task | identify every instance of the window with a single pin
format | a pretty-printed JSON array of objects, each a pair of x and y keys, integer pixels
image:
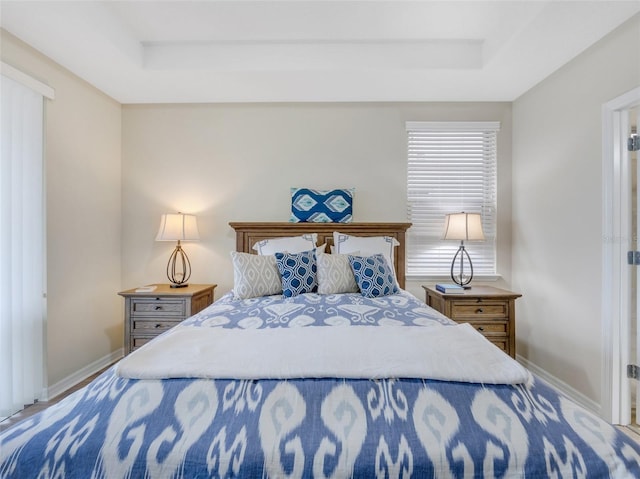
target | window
[{"x": 451, "y": 168}]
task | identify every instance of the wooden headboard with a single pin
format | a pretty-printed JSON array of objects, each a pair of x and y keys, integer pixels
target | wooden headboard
[{"x": 247, "y": 234}]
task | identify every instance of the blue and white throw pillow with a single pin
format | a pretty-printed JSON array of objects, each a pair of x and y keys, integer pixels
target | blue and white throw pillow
[
  {"x": 299, "y": 272},
  {"x": 374, "y": 275},
  {"x": 321, "y": 206}
]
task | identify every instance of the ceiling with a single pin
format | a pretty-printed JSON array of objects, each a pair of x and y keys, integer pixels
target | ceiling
[{"x": 272, "y": 51}]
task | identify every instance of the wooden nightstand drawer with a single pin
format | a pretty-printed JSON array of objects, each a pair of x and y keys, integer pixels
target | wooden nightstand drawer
[
  {"x": 489, "y": 327},
  {"x": 150, "y": 313},
  {"x": 137, "y": 341},
  {"x": 154, "y": 325},
  {"x": 501, "y": 343},
  {"x": 157, "y": 306},
  {"x": 479, "y": 309}
]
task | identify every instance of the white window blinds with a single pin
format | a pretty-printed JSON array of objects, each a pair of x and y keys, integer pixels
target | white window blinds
[
  {"x": 451, "y": 169},
  {"x": 22, "y": 247}
]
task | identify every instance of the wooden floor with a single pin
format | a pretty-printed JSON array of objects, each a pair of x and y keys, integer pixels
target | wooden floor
[
  {"x": 42, "y": 405},
  {"x": 631, "y": 431}
]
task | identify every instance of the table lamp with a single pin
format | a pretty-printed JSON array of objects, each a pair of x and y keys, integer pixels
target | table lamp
[
  {"x": 178, "y": 227},
  {"x": 463, "y": 227}
]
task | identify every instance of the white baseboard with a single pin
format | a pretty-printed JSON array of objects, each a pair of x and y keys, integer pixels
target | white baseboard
[
  {"x": 73, "y": 379},
  {"x": 564, "y": 388}
]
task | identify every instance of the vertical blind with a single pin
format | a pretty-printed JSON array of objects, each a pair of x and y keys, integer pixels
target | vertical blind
[
  {"x": 451, "y": 169},
  {"x": 21, "y": 246}
]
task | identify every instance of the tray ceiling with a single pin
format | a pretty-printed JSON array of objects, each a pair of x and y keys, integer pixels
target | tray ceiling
[{"x": 281, "y": 51}]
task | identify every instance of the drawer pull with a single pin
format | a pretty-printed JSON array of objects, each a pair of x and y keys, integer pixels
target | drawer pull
[
  {"x": 158, "y": 308},
  {"x": 479, "y": 311},
  {"x": 480, "y": 328},
  {"x": 158, "y": 326}
]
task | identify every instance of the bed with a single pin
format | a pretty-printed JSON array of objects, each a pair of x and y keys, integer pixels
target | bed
[{"x": 317, "y": 385}]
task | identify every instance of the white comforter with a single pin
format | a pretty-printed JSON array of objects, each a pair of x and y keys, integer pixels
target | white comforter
[{"x": 448, "y": 353}]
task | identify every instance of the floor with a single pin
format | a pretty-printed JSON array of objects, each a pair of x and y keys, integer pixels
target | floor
[
  {"x": 42, "y": 405},
  {"x": 631, "y": 431}
]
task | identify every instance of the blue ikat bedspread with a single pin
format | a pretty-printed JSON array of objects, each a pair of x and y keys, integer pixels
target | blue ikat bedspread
[{"x": 315, "y": 428}]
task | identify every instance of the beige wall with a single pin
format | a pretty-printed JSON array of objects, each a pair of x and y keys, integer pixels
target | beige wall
[
  {"x": 82, "y": 161},
  {"x": 557, "y": 208},
  {"x": 236, "y": 162}
]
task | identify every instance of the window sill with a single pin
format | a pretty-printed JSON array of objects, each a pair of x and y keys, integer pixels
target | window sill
[{"x": 441, "y": 278}]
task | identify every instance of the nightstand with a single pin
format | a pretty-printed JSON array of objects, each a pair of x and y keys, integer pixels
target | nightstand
[
  {"x": 490, "y": 310},
  {"x": 147, "y": 314}
]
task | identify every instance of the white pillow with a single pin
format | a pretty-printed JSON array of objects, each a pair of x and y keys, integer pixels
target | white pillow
[
  {"x": 254, "y": 275},
  {"x": 365, "y": 245},
  {"x": 335, "y": 274},
  {"x": 291, "y": 244}
]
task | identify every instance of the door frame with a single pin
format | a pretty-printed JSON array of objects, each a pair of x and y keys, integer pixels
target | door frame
[{"x": 616, "y": 274}]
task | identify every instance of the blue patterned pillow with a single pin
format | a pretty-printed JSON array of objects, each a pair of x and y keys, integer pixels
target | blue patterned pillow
[
  {"x": 374, "y": 275},
  {"x": 321, "y": 206},
  {"x": 299, "y": 272}
]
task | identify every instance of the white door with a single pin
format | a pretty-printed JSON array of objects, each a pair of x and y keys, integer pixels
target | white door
[{"x": 621, "y": 230}]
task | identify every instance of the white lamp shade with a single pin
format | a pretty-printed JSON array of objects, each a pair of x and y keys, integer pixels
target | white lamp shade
[
  {"x": 463, "y": 226},
  {"x": 176, "y": 226}
]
